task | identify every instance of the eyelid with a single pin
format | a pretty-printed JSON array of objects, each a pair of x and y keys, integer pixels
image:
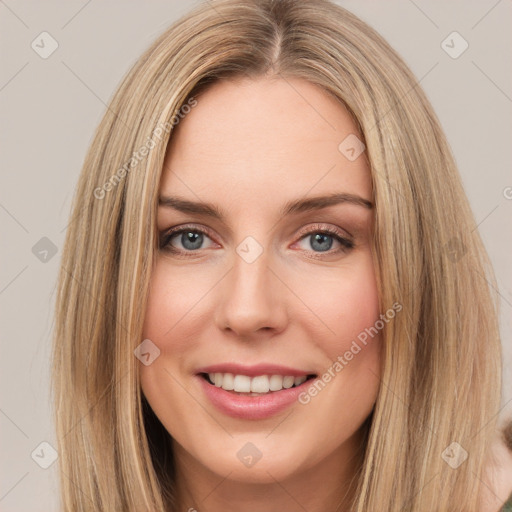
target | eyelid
[
  {"x": 166, "y": 234},
  {"x": 318, "y": 226},
  {"x": 303, "y": 231},
  {"x": 308, "y": 230}
]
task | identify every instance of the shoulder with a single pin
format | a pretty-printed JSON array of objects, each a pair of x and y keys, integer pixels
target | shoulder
[{"x": 498, "y": 487}]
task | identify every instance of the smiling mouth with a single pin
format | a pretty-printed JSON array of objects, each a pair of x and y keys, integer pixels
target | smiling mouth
[{"x": 254, "y": 386}]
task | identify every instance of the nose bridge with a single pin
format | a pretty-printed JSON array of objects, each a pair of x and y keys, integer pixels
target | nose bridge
[
  {"x": 251, "y": 296},
  {"x": 250, "y": 270}
]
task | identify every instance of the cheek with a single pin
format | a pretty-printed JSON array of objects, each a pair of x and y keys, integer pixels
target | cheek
[
  {"x": 173, "y": 299},
  {"x": 344, "y": 305},
  {"x": 347, "y": 305},
  {"x": 169, "y": 306},
  {"x": 161, "y": 320}
]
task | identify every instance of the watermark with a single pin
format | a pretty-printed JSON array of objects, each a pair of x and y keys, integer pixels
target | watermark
[
  {"x": 455, "y": 249},
  {"x": 454, "y": 455},
  {"x": 44, "y": 250},
  {"x": 249, "y": 455},
  {"x": 351, "y": 147},
  {"x": 343, "y": 360},
  {"x": 249, "y": 249},
  {"x": 140, "y": 154},
  {"x": 44, "y": 455},
  {"x": 44, "y": 45},
  {"x": 454, "y": 45},
  {"x": 146, "y": 352}
]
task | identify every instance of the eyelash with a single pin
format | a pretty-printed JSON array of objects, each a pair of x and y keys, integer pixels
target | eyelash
[{"x": 166, "y": 236}]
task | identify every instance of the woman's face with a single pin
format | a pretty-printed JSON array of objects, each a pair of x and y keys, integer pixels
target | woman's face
[{"x": 263, "y": 289}]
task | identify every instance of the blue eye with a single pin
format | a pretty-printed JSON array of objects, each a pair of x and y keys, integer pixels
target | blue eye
[
  {"x": 192, "y": 239},
  {"x": 322, "y": 241}
]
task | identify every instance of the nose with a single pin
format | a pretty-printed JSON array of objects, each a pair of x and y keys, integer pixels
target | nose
[{"x": 252, "y": 299}]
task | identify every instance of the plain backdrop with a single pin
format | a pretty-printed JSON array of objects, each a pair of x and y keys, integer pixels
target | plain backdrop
[{"x": 51, "y": 106}]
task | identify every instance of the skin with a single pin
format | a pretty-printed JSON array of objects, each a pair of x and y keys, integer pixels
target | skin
[
  {"x": 249, "y": 146},
  {"x": 497, "y": 484}
]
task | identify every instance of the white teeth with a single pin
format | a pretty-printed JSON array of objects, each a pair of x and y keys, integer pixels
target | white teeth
[
  {"x": 259, "y": 384},
  {"x": 299, "y": 380},
  {"x": 288, "y": 381},
  {"x": 242, "y": 384},
  {"x": 276, "y": 382},
  {"x": 228, "y": 382}
]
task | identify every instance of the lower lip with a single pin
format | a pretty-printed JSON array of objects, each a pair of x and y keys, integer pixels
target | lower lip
[{"x": 252, "y": 407}]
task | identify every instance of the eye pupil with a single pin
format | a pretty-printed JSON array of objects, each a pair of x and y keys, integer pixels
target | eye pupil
[
  {"x": 193, "y": 237},
  {"x": 191, "y": 240},
  {"x": 319, "y": 238}
]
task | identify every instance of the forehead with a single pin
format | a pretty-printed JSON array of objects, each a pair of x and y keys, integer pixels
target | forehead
[{"x": 257, "y": 141}]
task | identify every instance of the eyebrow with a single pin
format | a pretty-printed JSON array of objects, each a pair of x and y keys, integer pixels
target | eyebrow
[{"x": 297, "y": 206}]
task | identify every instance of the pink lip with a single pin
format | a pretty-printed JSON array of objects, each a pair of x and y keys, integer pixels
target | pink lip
[
  {"x": 252, "y": 407},
  {"x": 254, "y": 370}
]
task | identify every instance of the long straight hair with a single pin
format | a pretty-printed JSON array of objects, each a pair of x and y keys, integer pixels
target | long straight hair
[{"x": 441, "y": 359}]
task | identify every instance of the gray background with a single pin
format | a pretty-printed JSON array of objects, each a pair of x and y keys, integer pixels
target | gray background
[{"x": 50, "y": 108}]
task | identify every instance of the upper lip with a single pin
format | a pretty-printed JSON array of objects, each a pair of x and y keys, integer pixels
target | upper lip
[{"x": 254, "y": 370}]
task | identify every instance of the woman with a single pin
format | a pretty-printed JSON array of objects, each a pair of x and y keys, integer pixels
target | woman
[{"x": 328, "y": 341}]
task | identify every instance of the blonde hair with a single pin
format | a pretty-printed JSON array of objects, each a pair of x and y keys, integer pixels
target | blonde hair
[{"x": 441, "y": 361}]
